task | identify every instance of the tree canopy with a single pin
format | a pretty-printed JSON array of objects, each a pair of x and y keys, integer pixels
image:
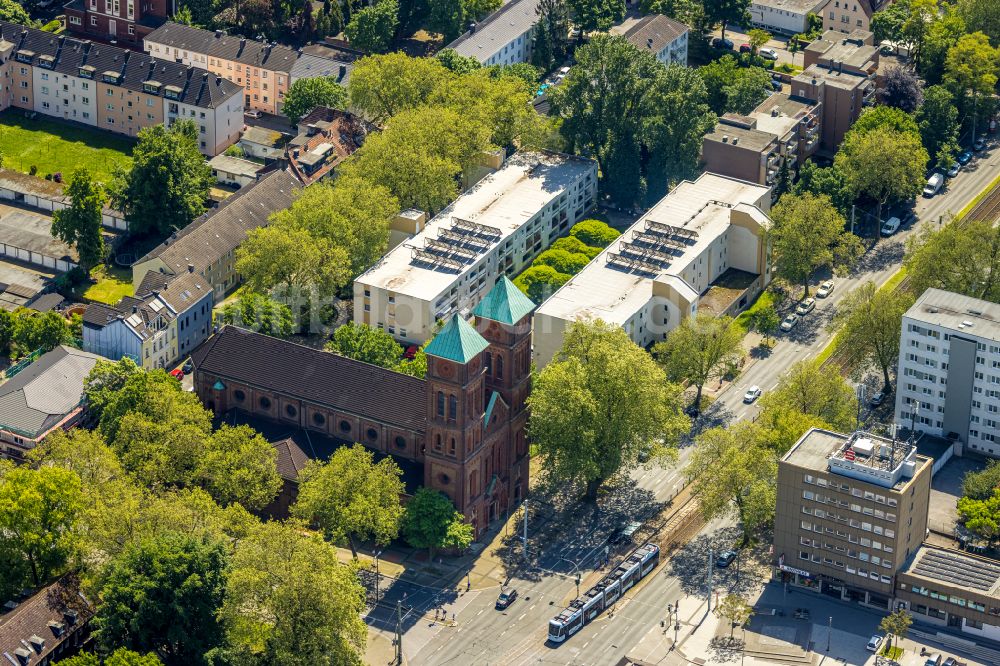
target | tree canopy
[
  {"x": 306, "y": 94},
  {"x": 540, "y": 281},
  {"x": 80, "y": 224},
  {"x": 962, "y": 257},
  {"x": 168, "y": 183},
  {"x": 700, "y": 349},
  {"x": 599, "y": 15},
  {"x": 806, "y": 388},
  {"x": 365, "y": 343},
  {"x": 352, "y": 497},
  {"x": 902, "y": 90},
  {"x": 594, "y": 233},
  {"x": 431, "y": 521},
  {"x": 808, "y": 234},
  {"x": 239, "y": 466},
  {"x": 599, "y": 404},
  {"x": 937, "y": 119},
  {"x": 260, "y": 313},
  {"x": 869, "y": 321},
  {"x": 383, "y": 85},
  {"x": 884, "y": 164},
  {"x": 372, "y": 28},
  {"x": 732, "y": 88}
]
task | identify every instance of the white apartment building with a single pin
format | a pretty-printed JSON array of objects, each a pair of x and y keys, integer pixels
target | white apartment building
[
  {"x": 664, "y": 266},
  {"x": 948, "y": 382},
  {"x": 503, "y": 37},
  {"x": 789, "y": 17},
  {"x": 495, "y": 228}
]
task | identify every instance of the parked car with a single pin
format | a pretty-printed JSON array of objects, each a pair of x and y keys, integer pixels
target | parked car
[
  {"x": 725, "y": 559},
  {"x": 951, "y": 661},
  {"x": 874, "y": 643},
  {"x": 752, "y": 394},
  {"x": 506, "y": 599},
  {"x": 825, "y": 289},
  {"x": 979, "y": 144},
  {"x": 410, "y": 352},
  {"x": 964, "y": 157},
  {"x": 877, "y": 399},
  {"x": 909, "y": 218},
  {"x": 776, "y": 85},
  {"x": 188, "y": 367},
  {"x": 252, "y": 113},
  {"x": 177, "y": 374},
  {"x": 624, "y": 532},
  {"x": 789, "y": 322},
  {"x": 933, "y": 185},
  {"x": 954, "y": 169},
  {"x": 933, "y": 660},
  {"x": 806, "y": 306},
  {"x": 891, "y": 226},
  {"x": 768, "y": 54},
  {"x": 745, "y": 48},
  {"x": 721, "y": 43}
]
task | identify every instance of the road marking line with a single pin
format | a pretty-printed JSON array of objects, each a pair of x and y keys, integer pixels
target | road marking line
[{"x": 521, "y": 616}]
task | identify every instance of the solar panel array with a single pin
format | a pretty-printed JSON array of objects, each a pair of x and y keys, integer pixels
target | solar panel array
[
  {"x": 457, "y": 246},
  {"x": 959, "y": 570},
  {"x": 652, "y": 250}
]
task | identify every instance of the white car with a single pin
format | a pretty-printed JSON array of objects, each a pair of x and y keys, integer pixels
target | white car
[
  {"x": 875, "y": 643},
  {"x": 806, "y": 306},
  {"x": 252, "y": 113},
  {"x": 954, "y": 169},
  {"x": 825, "y": 289},
  {"x": 891, "y": 226},
  {"x": 752, "y": 394},
  {"x": 790, "y": 322},
  {"x": 768, "y": 54}
]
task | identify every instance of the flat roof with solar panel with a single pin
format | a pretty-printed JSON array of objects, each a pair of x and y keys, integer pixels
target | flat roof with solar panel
[
  {"x": 463, "y": 236},
  {"x": 956, "y": 569}
]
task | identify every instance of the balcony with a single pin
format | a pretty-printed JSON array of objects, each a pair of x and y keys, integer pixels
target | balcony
[{"x": 868, "y": 94}]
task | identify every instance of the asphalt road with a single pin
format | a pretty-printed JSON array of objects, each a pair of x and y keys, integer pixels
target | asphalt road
[{"x": 483, "y": 635}]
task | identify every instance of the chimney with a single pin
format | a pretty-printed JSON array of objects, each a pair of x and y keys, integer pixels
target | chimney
[
  {"x": 190, "y": 268},
  {"x": 343, "y": 72},
  {"x": 218, "y": 34},
  {"x": 135, "y": 309},
  {"x": 736, "y": 140},
  {"x": 165, "y": 285},
  {"x": 649, "y": 43},
  {"x": 725, "y": 138},
  {"x": 472, "y": 28}
]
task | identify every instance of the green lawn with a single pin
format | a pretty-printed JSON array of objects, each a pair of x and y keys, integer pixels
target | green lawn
[
  {"x": 766, "y": 298},
  {"x": 55, "y": 146},
  {"x": 112, "y": 285}
]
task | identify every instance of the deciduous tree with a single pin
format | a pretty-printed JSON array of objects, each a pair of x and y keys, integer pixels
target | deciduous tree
[
  {"x": 884, "y": 119},
  {"x": 599, "y": 15},
  {"x": 103, "y": 382},
  {"x": 981, "y": 16},
  {"x": 600, "y": 403},
  {"x": 446, "y": 17},
  {"x": 14, "y": 12},
  {"x": 869, "y": 321},
  {"x": 758, "y": 38},
  {"x": 371, "y": 29},
  {"x": 971, "y": 69},
  {"x": 884, "y": 165},
  {"x": 981, "y": 516},
  {"x": 289, "y": 602},
  {"x": 383, "y": 85},
  {"x": 563, "y": 261},
  {"x": 764, "y": 320},
  {"x": 937, "y": 119},
  {"x": 288, "y": 255},
  {"x": 734, "y": 88},
  {"x": 808, "y": 389},
  {"x": 167, "y": 185},
  {"x": 431, "y": 521},
  {"x": 809, "y": 234},
  {"x": 723, "y": 12},
  {"x": 162, "y": 596},
  {"x": 260, "y": 313},
  {"x": 594, "y": 233},
  {"x": 352, "y": 497},
  {"x": 574, "y": 245},
  {"x": 963, "y": 257},
  {"x": 896, "y": 624},
  {"x": 828, "y": 181},
  {"x": 239, "y": 466},
  {"x": 80, "y": 224},
  {"x": 120, "y": 657},
  {"x": 734, "y": 608},
  {"x": 902, "y": 90},
  {"x": 306, "y": 94},
  {"x": 699, "y": 350},
  {"x": 980, "y": 484},
  {"x": 540, "y": 282},
  {"x": 39, "y": 509},
  {"x": 733, "y": 471},
  {"x": 364, "y": 343}
]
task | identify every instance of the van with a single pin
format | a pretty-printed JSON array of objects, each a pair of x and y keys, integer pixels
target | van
[
  {"x": 933, "y": 185},
  {"x": 933, "y": 660}
]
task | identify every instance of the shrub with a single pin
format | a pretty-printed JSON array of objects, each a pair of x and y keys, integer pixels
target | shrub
[
  {"x": 575, "y": 246},
  {"x": 538, "y": 282},
  {"x": 562, "y": 261},
  {"x": 594, "y": 233}
]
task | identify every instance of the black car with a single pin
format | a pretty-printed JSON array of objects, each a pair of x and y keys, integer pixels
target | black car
[
  {"x": 506, "y": 599},
  {"x": 725, "y": 559},
  {"x": 721, "y": 43},
  {"x": 188, "y": 367}
]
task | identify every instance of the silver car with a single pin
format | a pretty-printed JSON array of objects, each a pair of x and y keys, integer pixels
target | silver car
[{"x": 790, "y": 322}]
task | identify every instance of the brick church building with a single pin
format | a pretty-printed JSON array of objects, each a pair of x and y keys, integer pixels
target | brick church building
[{"x": 464, "y": 423}]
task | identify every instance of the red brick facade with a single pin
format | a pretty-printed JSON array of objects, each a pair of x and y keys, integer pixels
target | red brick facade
[{"x": 124, "y": 22}]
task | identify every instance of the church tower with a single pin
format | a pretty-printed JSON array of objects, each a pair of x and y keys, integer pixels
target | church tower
[{"x": 503, "y": 319}]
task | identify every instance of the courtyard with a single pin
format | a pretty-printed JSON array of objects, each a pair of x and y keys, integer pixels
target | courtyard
[{"x": 56, "y": 146}]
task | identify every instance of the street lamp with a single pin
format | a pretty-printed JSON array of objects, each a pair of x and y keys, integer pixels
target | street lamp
[
  {"x": 829, "y": 632},
  {"x": 376, "y": 575},
  {"x": 913, "y": 418}
]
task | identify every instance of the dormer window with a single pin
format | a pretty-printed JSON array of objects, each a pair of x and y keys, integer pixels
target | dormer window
[
  {"x": 87, "y": 72},
  {"x": 46, "y": 61},
  {"x": 172, "y": 92},
  {"x": 152, "y": 87},
  {"x": 25, "y": 56},
  {"x": 110, "y": 77}
]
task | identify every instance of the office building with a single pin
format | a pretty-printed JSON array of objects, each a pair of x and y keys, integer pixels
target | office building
[
  {"x": 782, "y": 132},
  {"x": 503, "y": 37},
  {"x": 663, "y": 37},
  {"x": 839, "y": 76},
  {"x": 786, "y": 17},
  {"x": 114, "y": 89},
  {"x": 949, "y": 370},
  {"x": 264, "y": 71},
  {"x": 495, "y": 228},
  {"x": 851, "y": 512},
  {"x": 701, "y": 248}
]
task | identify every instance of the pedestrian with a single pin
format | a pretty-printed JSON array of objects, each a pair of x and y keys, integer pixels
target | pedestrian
[{"x": 453, "y": 617}]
